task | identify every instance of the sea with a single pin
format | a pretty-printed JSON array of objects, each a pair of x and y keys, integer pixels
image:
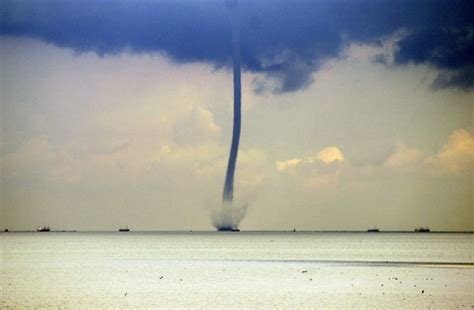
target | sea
[{"x": 146, "y": 270}]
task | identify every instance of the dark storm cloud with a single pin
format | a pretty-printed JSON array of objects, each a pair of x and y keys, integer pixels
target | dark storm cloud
[
  {"x": 286, "y": 40},
  {"x": 462, "y": 79}
]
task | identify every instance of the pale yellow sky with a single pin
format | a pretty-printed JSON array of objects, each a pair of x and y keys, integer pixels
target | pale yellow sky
[{"x": 96, "y": 143}]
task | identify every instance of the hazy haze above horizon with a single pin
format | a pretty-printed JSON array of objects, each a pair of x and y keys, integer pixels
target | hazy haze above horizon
[{"x": 106, "y": 128}]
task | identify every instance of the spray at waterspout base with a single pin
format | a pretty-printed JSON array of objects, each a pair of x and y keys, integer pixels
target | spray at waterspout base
[
  {"x": 232, "y": 229},
  {"x": 228, "y": 217}
]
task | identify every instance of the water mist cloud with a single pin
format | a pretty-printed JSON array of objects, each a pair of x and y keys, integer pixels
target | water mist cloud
[{"x": 228, "y": 216}]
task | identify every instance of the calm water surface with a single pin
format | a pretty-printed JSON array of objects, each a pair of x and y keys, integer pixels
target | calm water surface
[{"x": 254, "y": 269}]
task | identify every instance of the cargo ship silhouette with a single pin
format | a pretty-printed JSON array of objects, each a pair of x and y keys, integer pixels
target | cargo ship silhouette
[{"x": 422, "y": 229}]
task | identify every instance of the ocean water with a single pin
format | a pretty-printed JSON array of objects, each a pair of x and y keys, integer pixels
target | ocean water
[{"x": 246, "y": 269}]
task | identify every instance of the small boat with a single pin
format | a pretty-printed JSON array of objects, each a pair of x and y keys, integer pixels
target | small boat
[
  {"x": 373, "y": 230},
  {"x": 422, "y": 229},
  {"x": 42, "y": 229},
  {"x": 124, "y": 229}
]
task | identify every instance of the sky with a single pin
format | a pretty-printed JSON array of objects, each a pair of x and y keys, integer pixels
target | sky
[{"x": 356, "y": 114}]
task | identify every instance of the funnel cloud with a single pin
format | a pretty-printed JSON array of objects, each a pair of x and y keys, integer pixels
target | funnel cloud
[{"x": 228, "y": 213}]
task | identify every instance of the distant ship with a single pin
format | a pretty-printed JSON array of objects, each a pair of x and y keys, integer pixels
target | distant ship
[
  {"x": 373, "y": 229},
  {"x": 124, "y": 229},
  {"x": 43, "y": 228},
  {"x": 422, "y": 229}
]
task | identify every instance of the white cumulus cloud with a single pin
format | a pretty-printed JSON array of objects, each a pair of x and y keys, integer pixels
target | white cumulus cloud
[
  {"x": 317, "y": 171},
  {"x": 456, "y": 156},
  {"x": 326, "y": 156},
  {"x": 330, "y": 154},
  {"x": 402, "y": 156}
]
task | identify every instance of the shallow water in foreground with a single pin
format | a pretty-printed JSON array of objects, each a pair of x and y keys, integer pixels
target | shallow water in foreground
[{"x": 251, "y": 269}]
